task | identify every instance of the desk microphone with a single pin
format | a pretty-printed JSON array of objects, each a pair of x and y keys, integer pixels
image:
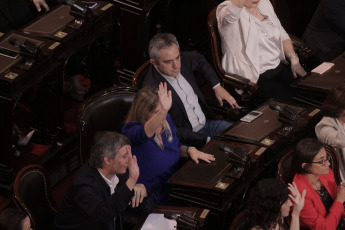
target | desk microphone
[
  {"x": 274, "y": 106},
  {"x": 75, "y": 5},
  {"x": 26, "y": 47}
]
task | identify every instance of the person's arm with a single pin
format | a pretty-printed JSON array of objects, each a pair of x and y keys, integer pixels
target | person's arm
[
  {"x": 222, "y": 94},
  {"x": 199, "y": 64},
  {"x": 196, "y": 155},
  {"x": 188, "y": 137},
  {"x": 238, "y": 3},
  {"x": 330, "y": 134},
  {"x": 228, "y": 12},
  {"x": 39, "y": 4},
  {"x": 158, "y": 118},
  {"x": 296, "y": 67},
  {"x": 133, "y": 170}
]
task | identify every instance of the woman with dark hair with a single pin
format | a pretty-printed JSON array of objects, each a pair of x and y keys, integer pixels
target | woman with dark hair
[
  {"x": 323, "y": 208},
  {"x": 14, "y": 219},
  {"x": 154, "y": 141},
  {"x": 331, "y": 130},
  {"x": 269, "y": 203}
]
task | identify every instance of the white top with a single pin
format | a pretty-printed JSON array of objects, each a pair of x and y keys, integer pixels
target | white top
[
  {"x": 268, "y": 40},
  {"x": 242, "y": 44},
  {"x": 332, "y": 132},
  {"x": 112, "y": 183},
  {"x": 189, "y": 99}
]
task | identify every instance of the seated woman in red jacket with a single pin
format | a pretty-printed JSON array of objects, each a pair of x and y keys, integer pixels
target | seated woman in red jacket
[{"x": 323, "y": 207}]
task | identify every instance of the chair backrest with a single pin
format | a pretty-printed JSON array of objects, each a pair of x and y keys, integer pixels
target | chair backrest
[
  {"x": 232, "y": 80},
  {"x": 216, "y": 47},
  {"x": 237, "y": 223},
  {"x": 334, "y": 162},
  {"x": 286, "y": 175},
  {"x": 32, "y": 193},
  {"x": 140, "y": 74},
  {"x": 104, "y": 111}
]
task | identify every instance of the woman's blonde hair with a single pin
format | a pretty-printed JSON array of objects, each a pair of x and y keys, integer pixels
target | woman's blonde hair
[{"x": 144, "y": 104}]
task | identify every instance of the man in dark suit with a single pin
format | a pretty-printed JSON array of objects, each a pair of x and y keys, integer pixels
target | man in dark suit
[
  {"x": 101, "y": 190},
  {"x": 194, "y": 121},
  {"x": 325, "y": 34}
]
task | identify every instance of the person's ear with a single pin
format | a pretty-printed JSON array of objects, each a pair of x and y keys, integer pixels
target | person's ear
[
  {"x": 303, "y": 165},
  {"x": 154, "y": 63},
  {"x": 106, "y": 160}
]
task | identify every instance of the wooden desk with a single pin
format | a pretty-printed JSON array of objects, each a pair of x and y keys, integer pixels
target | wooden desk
[
  {"x": 222, "y": 185},
  {"x": 313, "y": 88},
  {"x": 213, "y": 186},
  {"x": 44, "y": 77}
]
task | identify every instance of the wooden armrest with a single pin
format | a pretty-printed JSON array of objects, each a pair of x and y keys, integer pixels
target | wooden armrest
[
  {"x": 303, "y": 51},
  {"x": 236, "y": 81},
  {"x": 252, "y": 87},
  {"x": 240, "y": 82}
]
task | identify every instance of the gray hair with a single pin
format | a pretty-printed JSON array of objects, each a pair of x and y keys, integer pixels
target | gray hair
[
  {"x": 161, "y": 41},
  {"x": 106, "y": 144}
]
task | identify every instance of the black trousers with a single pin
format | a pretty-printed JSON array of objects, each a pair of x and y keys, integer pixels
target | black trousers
[{"x": 275, "y": 83}]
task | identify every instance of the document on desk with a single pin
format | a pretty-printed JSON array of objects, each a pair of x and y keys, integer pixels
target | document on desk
[
  {"x": 156, "y": 221},
  {"x": 323, "y": 67}
]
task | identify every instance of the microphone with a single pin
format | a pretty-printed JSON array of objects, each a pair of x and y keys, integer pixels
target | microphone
[
  {"x": 274, "y": 106},
  {"x": 75, "y": 5},
  {"x": 170, "y": 215},
  {"x": 27, "y": 47}
]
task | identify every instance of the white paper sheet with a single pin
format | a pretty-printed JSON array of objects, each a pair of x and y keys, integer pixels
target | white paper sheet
[
  {"x": 156, "y": 221},
  {"x": 323, "y": 67}
]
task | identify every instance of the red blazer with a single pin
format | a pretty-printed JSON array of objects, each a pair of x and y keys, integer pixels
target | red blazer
[{"x": 314, "y": 215}]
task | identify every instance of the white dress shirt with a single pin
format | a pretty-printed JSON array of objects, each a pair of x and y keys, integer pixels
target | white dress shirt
[
  {"x": 112, "y": 183},
  {"x": 189, "y": 99}
]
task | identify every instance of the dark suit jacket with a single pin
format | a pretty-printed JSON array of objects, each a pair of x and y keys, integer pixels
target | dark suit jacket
[
  {"x": 325, "y": 34},
  {"x": 88, "y": 203},
  {"x": 190, "y": 62},
  {"x": 14, "y": 14}
]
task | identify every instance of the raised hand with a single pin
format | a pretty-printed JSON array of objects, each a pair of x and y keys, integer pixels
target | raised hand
[
  {"x": 133, "y": 169},
  {"x": 341, "y": 193},
  {"x": 297, "y": 198},
  {"x": 164, "y": 95}
]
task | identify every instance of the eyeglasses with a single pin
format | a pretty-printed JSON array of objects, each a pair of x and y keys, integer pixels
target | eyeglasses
[{"x": 322, "y": 162}]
